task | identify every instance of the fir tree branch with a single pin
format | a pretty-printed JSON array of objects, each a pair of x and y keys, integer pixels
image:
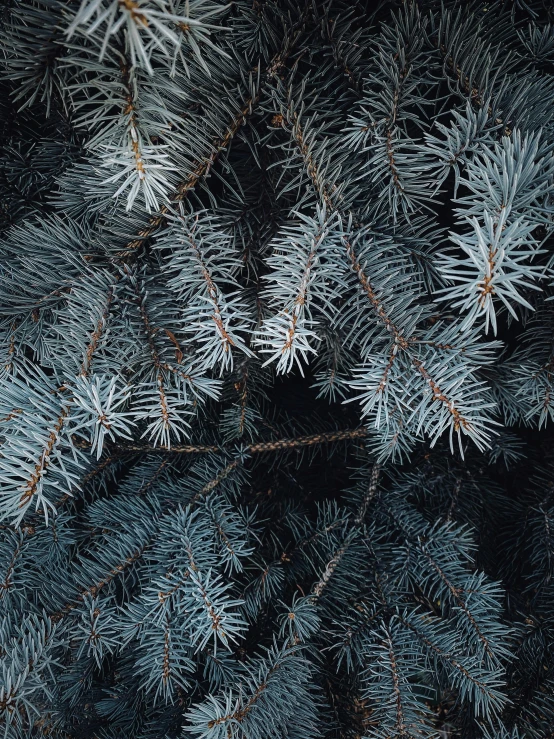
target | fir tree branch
[
  {"x": 400, "y": 724},
  {"x": 202, "y": 169},
  {"x": 453, "y": 661},
  {"x": 7, "y": 581},
  {"x": 97, "y": 334},
  {"x": 215, "y": 482},
  {"x": 42, "y": 464},
  {"x": 220, "y": 145},
  {"x": 93, "y": 590},
  {"x": 401, "y": 343},
  {"x": 262, "y": 447},
  {"x": 457, "y": 596},
  {"x": 334, "y": 562},
  {"x": 353, "y": 80}
]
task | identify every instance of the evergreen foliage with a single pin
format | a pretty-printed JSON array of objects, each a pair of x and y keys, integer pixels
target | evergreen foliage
[{"x": 277, "y": 366}]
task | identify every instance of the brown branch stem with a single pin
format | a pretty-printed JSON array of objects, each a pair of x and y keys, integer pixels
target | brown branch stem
[{"x": 259, "y": 448}]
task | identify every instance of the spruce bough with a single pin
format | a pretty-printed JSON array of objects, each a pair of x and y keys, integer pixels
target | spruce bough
[{"x": 276, "y": 331}]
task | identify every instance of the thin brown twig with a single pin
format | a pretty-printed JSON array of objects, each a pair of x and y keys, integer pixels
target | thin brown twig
[{"x": 259, "y": 448}]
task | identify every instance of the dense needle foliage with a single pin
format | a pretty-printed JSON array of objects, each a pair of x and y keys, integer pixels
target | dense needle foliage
[{"x": 277, "y": 356}]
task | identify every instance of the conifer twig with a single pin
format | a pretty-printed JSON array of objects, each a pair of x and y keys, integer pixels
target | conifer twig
[
  {"x": 326, "y": 437},
  {"x": 358, "y": 521},
  {"x": 204, "y": 166}
]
